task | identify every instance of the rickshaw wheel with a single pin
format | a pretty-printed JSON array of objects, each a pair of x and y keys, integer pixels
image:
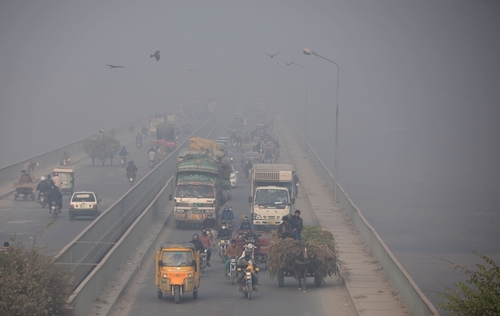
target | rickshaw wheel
[
  {"x": 195, "y": 294},
  {"x": 177, "y": 294},
  {"x": 159, "y": 294}
]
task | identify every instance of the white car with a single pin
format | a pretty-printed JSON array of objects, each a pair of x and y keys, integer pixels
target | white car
[
  {"x": 84, "y": 204},
  {"x": 234, "y": 177}
]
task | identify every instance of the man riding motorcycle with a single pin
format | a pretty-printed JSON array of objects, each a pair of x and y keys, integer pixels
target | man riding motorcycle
[
  {"x": 152, "y": 156},
  {"x": 227, "y": 215},
  {"x": 131, "y": 170},
  {"x": 209, "y": 223},
  {"x": 246, "y": 262},
  {"x": 245, "y": 224},
  {"x": 207, "y": 243},
  {"x": 42, "y": 187},
  {"x": 123, "y": 152},
  {"x": 138, "y": 139},
  {"x": 198, "y": 246},
  {"x": 55, "y": 196},
  {"x": 231, "y": 251}
]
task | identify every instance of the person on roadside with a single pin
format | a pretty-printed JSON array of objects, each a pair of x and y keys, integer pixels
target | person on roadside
[{"x": 297, "y": 225}]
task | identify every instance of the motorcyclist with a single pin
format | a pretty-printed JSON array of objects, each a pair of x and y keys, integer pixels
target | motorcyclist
[
  {"x": 209, "y": 223},
  {"x": 231, "y": 251},
  {"x": 50, "y": 181},
  {"x": 138, "y": 138},
  {"x": 42, "y": 187},
  {"x": 55, "y": 196},
  {"x": 227, "y": 215},
  {"x": 248, "y": 167},
  {"x": 198, "y": 246},
  {"x": 246, "y": 262},
  {"x": 245, "y": 224},
  {"x": 207, "y": 242},
  {"x": 123, "y": 152},
  {"x": 152, "y": 156},
  {"x": 144, "y": 131},
  {"x": 131, "y": 170},
  {"x": 224, "y": 232},
  {"x": 153, "y": 148},
  {"x": 285, "y": 229}
]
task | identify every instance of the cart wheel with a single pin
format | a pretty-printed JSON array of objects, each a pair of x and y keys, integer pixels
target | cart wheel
[
  {"x": 281, "y": 278},
  {"x": 195, "y": 294},
  {"x": 159, "y": 294},
  {"x": 15, "y": 196}
]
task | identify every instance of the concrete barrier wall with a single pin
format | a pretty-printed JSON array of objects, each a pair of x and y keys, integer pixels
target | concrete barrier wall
[{"x": 411, "y": 294}]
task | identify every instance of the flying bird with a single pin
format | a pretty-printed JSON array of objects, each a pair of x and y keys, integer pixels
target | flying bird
[
  {"x": 271, "y": 55},
  {"x": 193, "y": 70},
  {"x": 113, "y": 66},
  {"x": 156, "y": 55}
]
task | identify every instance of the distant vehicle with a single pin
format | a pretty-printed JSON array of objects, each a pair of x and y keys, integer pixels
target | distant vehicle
[
  {"x": 234, "y": 127},
  {"x": 84, "y": 204},
  {"x": 222, "y": 138},
  {"x": 223, "y": 142},
  {"x": 234, "y": 177}
]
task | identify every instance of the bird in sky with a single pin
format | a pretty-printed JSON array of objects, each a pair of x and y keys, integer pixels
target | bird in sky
[
  {"x": 192, "y": 69},
  {"x": 113, "y": 66},
  {"x": 156, "y": 55},
  {"x": 271, "y": 55}
]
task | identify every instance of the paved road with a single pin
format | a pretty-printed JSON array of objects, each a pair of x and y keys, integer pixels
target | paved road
[
  {"x": 24, "y": 219},
  {"x": 218, "y": 297}
]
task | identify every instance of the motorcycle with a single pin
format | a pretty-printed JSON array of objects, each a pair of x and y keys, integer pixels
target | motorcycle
[
  {"x": 131, "y": 178},
  {"x": 138, "y": 144},
  {"x": 42, "y": 199},
  {"x": 203, "y": 261},
  {"x": 250, "y": 246},
  {"x": 54, "y": 209},
  {"x": 247, "y": 283},
  {"x": 222, "y": 248},
  {"x": 124, "y": 160},
  {"x": 152, "y": 164},
  {"x": 232, "y": 269}
]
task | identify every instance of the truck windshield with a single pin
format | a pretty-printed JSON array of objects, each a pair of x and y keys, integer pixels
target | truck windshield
[
  {"x": 192, "y": 191},
  {"x": 271, "y": 196}
]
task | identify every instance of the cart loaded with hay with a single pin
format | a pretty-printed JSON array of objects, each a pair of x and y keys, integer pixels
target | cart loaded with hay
[{"x": 314, "y": 256}]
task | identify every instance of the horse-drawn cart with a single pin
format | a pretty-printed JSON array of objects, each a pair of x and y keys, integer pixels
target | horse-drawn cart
[
  {"x": 24, "y": 189},
  {"x": 302, "y": 259}
]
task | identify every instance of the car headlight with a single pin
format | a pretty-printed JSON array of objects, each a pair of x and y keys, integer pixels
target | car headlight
[{"x": 257, "y": 216}]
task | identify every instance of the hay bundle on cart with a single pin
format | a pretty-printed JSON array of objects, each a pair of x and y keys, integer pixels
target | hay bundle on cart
[{"x": 322, "y": 254}]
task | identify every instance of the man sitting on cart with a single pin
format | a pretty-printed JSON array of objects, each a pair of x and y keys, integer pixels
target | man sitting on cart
[{"x": 25, "y": 177}]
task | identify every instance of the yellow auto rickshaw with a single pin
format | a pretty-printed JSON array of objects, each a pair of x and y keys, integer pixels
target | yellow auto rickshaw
[{"x": 177, "y": 270}]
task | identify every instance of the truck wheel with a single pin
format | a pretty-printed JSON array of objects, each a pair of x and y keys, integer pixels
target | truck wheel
[
  {"x": 159, "y": 294},
  {"x": 281, "y": 278},
  {"x": 177, "y": 294}
]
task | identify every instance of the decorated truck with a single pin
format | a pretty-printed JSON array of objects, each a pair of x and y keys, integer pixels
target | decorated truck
[
  {"x": 272, "y": 195},
  {"x": 199, "y": 188},
  {"x": 165, "y": 137},
  {"x": 153, "y": 121}
]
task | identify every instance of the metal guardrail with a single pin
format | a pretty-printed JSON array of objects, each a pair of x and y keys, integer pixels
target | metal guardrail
[
  {"x": 83, "y": 254},
  {"x": 409, "y": 291}
]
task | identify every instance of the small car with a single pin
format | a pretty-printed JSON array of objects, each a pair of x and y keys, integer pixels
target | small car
[
  {"x": 234, "y": 177},
  {"x": 84, "y": 204}
]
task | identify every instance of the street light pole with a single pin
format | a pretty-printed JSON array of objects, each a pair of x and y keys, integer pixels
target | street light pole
[
  {"x": 335, "y": 168},
  {"x": 305, "y": 110}
]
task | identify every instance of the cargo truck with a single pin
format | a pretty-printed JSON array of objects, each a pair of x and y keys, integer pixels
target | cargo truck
[{"x": 272, "y": 194}]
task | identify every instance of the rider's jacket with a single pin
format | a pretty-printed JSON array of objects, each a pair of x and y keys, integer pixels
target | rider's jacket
[
  {"x": 296, "y": 222},
  {"x": 138, "y": 138},
  {"x": 123, "y": 152},
  {"x": 198, "y": 246},
  {"x": 232, "y": 251},
  {"x": 227, "y": 215},
  {"x": 209, "y": 223},
  {"x": 245, "y": 226},
  {"x": 43, "y": 186},
  {"x": 131, "y": 168},
  {"x": 223, "y": 233},
  {"x": 206, "y": 241},
  {"x": 55, "y": 196}
]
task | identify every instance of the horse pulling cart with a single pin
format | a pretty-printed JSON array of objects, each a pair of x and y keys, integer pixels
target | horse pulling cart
[
  {"x": 25, "y": 190},
  {"x": 315, "y": 256}
]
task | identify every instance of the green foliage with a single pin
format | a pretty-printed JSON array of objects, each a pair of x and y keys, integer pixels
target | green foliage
[
  {"x": 478, "y": 295},
  {"x": 31, "y": 284}
]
